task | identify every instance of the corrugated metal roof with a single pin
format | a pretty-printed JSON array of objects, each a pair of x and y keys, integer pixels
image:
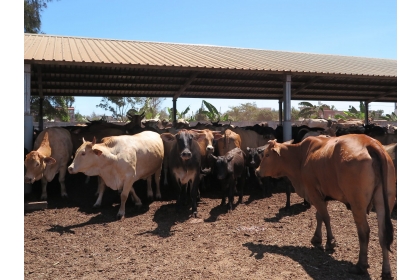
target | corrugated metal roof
[{"x": 39, "y": 47}]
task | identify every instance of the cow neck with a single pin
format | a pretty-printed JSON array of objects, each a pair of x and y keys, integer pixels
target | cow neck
[
  {"x": 45, "y": 148},
  {"x": 291, "y": 156}
]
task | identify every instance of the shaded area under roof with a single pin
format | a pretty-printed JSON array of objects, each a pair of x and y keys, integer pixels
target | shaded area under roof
[{"x": 75, "y": 66}]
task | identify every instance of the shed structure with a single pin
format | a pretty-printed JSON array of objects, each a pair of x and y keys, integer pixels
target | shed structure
[{"x": 76, "y": 66}]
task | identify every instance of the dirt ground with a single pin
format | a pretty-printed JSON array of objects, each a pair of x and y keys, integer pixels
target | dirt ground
[{"x": 257, "y": 240}]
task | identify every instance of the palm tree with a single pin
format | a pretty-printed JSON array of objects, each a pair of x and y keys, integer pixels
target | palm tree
[{"x": 311, "y": 111}]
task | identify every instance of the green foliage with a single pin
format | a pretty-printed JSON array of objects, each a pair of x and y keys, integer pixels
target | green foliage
[
  {"x": 311, "y": 111},
  {"x": 121, "y": 106},
  {"x": 179, "y": 115},
  {"x": 79, "y": 118},
  {"x": 250, "y": 112},
  {"x": 53, "y": 107},
  {"x": 390, "y": 117},
  {"x": 32, "y": 15}
]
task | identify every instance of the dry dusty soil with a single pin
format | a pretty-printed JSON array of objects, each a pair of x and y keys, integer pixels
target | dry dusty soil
[{"x": 259, "y": 239}]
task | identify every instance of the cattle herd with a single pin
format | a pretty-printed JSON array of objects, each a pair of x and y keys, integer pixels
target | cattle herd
[{"x": 353, "y": 164}]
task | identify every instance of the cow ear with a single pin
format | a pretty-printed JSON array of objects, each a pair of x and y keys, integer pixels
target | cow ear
[
  {"x": 217, "y": 136},
  {"x": 49, "y": 160},
  {"x": 276, "y": 149},
  {"x": 199, "y": 136},
  {"x": 289, "y": 142},
  {"x": 168, "y": 137},
  {"x": 229, "y": 158},
  {"x": 97, "y": 152},
  {"x": 248, "y": 149}
]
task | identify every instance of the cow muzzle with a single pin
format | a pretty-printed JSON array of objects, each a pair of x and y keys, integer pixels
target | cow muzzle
[
  {"x": 71, "y": 169},
  {"x": 186, "y": 155},
  {"x": 210, "y": 149},
  {"x": 29, "y": 180}
]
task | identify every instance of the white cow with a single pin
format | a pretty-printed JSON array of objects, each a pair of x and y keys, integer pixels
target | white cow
[
  {"x": 120, "y": 161},
  {"x": 51, "y": 154}
]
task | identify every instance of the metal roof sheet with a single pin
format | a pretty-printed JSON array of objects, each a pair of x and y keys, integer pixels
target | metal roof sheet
[{"x": 41, "y": 47}]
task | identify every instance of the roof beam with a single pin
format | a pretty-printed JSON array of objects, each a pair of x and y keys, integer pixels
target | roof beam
[
  {"x": 380, "y": 96},
  {"x": 310, "y": 82},
  {"x": 186, "y": 84}
]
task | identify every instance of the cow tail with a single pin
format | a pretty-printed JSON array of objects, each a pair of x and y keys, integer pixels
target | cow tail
[{"x": 378, "y": 152}]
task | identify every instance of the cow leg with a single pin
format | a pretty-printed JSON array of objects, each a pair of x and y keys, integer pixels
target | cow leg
[
  {"x": 44, "y": 183},
  {"x": 241, "y": 188},
  {"x": 363, "y": 232},
  {"x": 165, "y": 173},
  {"x": 194, "y": 193},
  {"x": 231, "y": 190},
  {"x": 100, "y": 192},
  {"x": 149, "y": 188},
  {"x": 225, "y": 191},
  {"x": 157, "y": 182},
  {"x": 136, "y": 199},
  {"x": 61, "y": 179},
  {"x": 288, "y": 191},
  {"x": 128, "y": 185},
  {"x": 323, "y": 216}
]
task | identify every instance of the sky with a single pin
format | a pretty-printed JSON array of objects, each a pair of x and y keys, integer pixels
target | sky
[
  {"x": 344, "y": 27},
  {"x": 351, "y": 28}
]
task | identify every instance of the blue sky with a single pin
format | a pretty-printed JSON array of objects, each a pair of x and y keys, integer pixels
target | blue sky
[{"x": 353, "y": 28}]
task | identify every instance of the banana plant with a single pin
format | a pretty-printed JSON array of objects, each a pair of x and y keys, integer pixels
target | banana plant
[
  {"x": 390, "y": 117},
  {"x": 212, "y": 113},
  {"x": 179, "y": 115}
]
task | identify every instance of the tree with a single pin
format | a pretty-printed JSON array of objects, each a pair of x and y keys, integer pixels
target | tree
[
  {"x": 32, "y": 15},
  {"x": 53, "y": 107},
  {"x": 311, "y": 111},
  {"x": 390, "y": 117},
  {"x": 79, "y": 118}
]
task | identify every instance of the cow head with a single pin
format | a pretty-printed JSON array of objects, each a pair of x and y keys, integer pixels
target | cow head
[
  {"x": 35, "y": 164},
  {"x": 183, "y": 140},
  {"x": 86, "y": 159},
  {"x": 271, "y": 163},
  {"x": 255, "y": 155},
  {"x": 206, "y": 143},
  {"x": 222, "y": 166}
]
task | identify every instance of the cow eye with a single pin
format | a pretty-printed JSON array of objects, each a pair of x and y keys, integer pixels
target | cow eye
[
  {"x": 37, "y": 164},
  {"x": 83, "y": 153}
]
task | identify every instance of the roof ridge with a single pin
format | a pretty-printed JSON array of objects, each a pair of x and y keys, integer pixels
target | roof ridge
[{"x": 203, "y": 45}]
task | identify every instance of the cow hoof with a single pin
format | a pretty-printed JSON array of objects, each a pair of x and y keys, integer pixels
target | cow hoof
[
  {"x": 317, "y": 243},
  {"x": 139, "y": 204},
  {"x": 64, "y": 195},
  {"x": 158, "y": 197},
  {"x": 386, "y": 276},
  {"x": 120, "y": 216},
  {"x": 44, "y": 197},
  {"x": 96, "y": 205},
  {"x": 330, "y": 245},
  {"x": 359, "y": 269},
  {"x": 194, "y": 214}
]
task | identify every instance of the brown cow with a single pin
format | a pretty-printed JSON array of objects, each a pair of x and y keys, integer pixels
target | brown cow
[
  {"x": 51, "y": 154},
  {"x": 120, "y": 161},
  {"x": 252, "y": 139},
  {"x": 229, "y": 141},
  {"x": 353, "y": 169}
]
